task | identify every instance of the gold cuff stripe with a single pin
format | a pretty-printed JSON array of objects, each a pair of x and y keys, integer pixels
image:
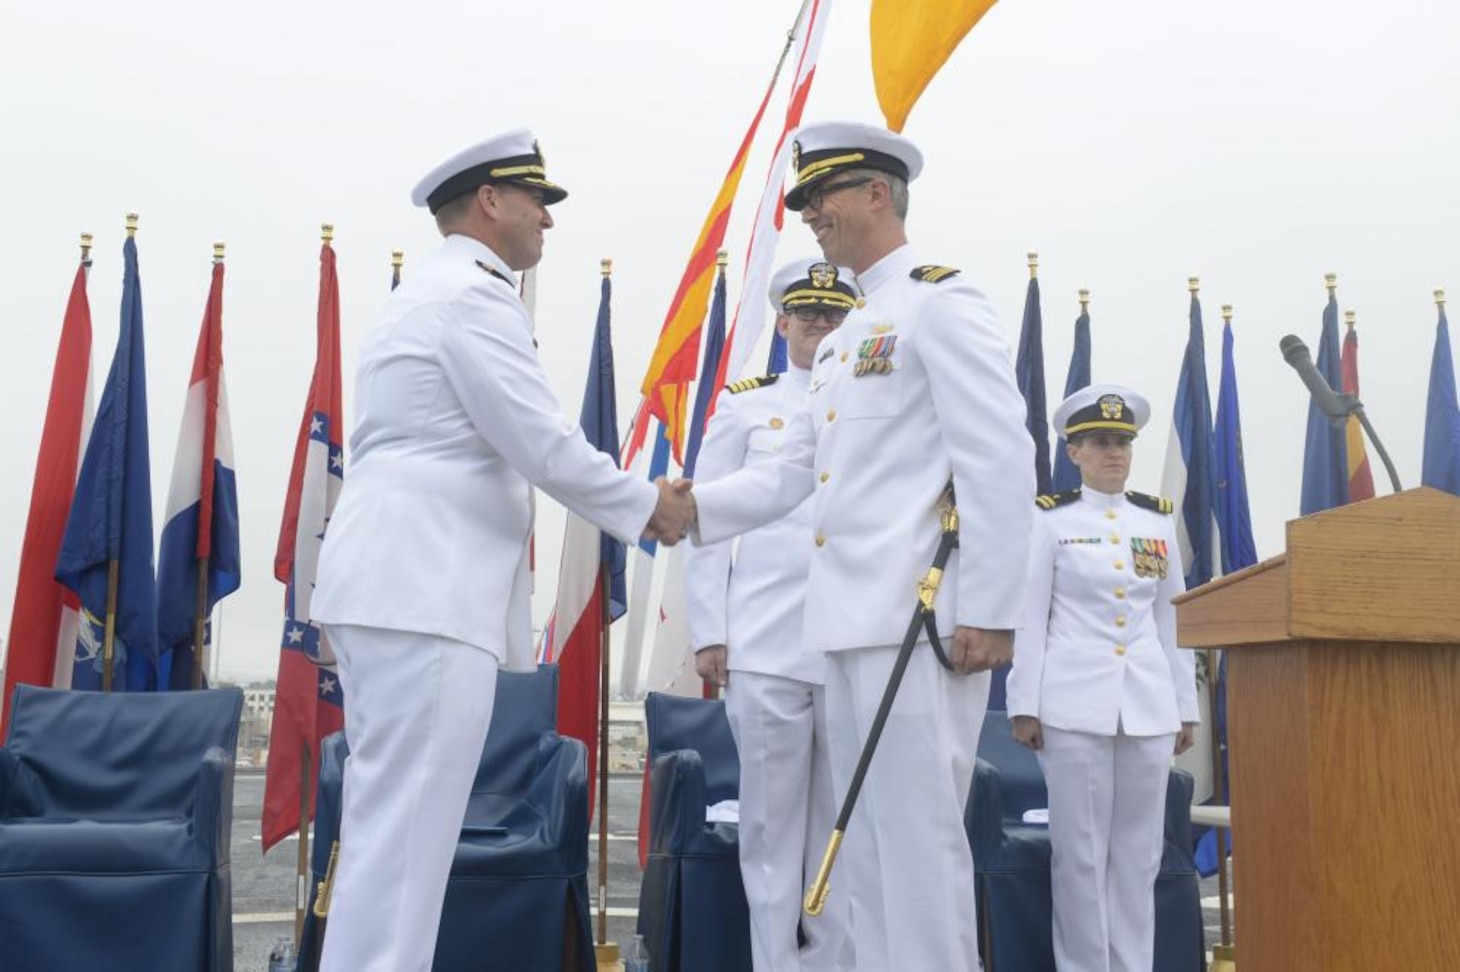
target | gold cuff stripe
[{"x": 814, "y": 169}]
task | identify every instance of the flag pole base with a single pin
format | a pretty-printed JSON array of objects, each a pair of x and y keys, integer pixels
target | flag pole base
[
  {"x": 1224, "y": 959},
  {"x": 605, "y": 954}
]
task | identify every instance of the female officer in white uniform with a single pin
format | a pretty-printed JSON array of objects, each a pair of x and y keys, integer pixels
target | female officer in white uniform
[{"x": 1099, "y": 688}]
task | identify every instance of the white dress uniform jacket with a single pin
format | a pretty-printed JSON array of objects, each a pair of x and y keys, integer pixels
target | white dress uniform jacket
[
  {"x": 455, "y": 424},
  {"x": 754, "y": 608},
  {"x": 1097, "y": 649},
  {"x": 877, "y": 444}
]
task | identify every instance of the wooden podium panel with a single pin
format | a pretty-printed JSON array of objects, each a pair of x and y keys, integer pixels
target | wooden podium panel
[{"x": 1344, "y": 735}]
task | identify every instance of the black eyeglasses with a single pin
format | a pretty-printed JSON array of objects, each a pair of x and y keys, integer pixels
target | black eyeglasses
[
  {"x": 816, "y": 195},
  {"x": 808, "y": 315}
]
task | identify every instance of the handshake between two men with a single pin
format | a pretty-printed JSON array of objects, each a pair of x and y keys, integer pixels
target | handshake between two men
[{"x": 674, "y": 513}]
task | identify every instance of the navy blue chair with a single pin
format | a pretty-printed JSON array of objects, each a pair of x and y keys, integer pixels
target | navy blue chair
[
  {"x": 692, "y": 910},
  {"x": 517, "y": 898},
  {"x": 1011, "y": 862},
  {"x": 115, "y": 813}
]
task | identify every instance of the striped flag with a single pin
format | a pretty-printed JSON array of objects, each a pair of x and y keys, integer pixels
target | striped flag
[
  {"x": 911, "y": 41},
  {"x": 580, "y": 616},
  {"x": 308, "y": 703},
  {"x": 1325, "y": 450},
  {"x": 1360, "y": 478},
  {"x": 43, "y": 622},
  {"x": 201, "y": 524}
]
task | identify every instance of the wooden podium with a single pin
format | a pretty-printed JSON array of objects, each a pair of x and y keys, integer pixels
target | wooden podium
[{"x": 1343, "y": 709}]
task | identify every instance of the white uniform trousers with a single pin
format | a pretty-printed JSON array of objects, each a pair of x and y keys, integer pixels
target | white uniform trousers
[
  {"x": 1107, "y": 813},
  {"x": 906, "y": 859},
  {"x": 417, "y": 708},
  {"x": 787, "y": 811}
]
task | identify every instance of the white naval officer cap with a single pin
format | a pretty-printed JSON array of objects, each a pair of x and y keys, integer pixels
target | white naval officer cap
[
  {"x": 509, "y": 157},
  {"x": 806, "y": 281},
  {"x": 822, "y": 149},
  {"x": 1102, "y": 408}
]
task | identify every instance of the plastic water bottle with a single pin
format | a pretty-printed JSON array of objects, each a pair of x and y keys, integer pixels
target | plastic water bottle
[
  {"x": 636, "y": 959},
  {"x": 284, "y": 959}
]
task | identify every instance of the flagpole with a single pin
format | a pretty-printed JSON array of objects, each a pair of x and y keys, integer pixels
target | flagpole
[
  {"x": 113, "y": 567},
  {"x": 200, "y": 615},
  {"x": 605, "y": 950},
  {"x": 301, "y": 865},
  {"x": 397, "y": 260}
]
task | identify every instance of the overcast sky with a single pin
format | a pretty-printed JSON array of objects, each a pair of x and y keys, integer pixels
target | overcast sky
[{"x": 1255, "y": 143}]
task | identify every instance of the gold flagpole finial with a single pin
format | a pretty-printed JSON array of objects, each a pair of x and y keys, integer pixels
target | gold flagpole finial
[
  {"x": 131, "y": 225},
  {"x": 397, "y": 258},
  {"x": 722, "y": 258},
  {"x": 1440, "y": 298},
  {"x": 327, "y": 232},
  {"x": 1193, "y": 284},
  {"x": 1227, "y": 313},
  {"x": 1084, "y": 299},
  {"x": 605, "y": 266},
  {"x": 217, "y": 252},
  {"x": 1348, "y": 319},
  {"x": 86, "y": 246},
  {"x": 1033, "y": 265},
  {"x": 1330, "y": 280}
]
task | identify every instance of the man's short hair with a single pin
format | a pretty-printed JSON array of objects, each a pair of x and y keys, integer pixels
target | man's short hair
[
  {"x": 453, "y": 210},
  {"x": 896, "y": 187}
]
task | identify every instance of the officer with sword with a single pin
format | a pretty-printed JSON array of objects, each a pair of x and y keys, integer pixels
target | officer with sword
[{"x": 914, "y": 394}]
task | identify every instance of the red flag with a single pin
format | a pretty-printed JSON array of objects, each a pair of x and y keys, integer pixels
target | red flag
[
  {"x": 36, "y": 627},
  {"x": 1360, "y": 479},
  {"x": 308, "y": 704}
]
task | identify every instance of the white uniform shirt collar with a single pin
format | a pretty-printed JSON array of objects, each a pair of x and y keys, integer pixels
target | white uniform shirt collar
[
  {"x": 477, "y": 250},
  {"x": 1101, "y": 501},
  {"x": 798, "y": 377},
  {"x": 898, "y": 263}
]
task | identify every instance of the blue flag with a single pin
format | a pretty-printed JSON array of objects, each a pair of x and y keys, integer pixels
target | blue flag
[
  {"x": 1441, "y": 468},
  {"x": 1325, "y": 453},
  {"x": 705, "y": 394},
  {"x": 776, "y": 361},
  {"x": 1190, "y": 478},
  {"x": 1066, "y": 474},
  {"x": 658, "y": 466},
  {"x": 1234, "y": 516},
  {"x": 1238, "y": 549},
  {"x": 111, "y": 516},
  {"x": 600, "y": 424},
  {"x": 1029, "y": 369}
]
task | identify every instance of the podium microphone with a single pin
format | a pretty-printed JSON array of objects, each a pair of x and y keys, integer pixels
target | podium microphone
[
  {"x": 1337, "y": 407},
  {"x": 1295, "y": 352}
]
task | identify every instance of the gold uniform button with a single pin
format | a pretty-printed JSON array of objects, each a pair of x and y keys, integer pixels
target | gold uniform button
[
  {"x": 1120, "y": 593},
  {"x": 1110, "y": 514},
  {"x": 861, "y": 302},
  {"x": 844, "y": 355},
  {"x": 1120, "y": 649},
  {"x": 831, "y": 415},
  {"x": 820, "y": 540},
  {"x": 825, "y": 476},
  {"x": 1114, "y": 538},
  {"x": 1120, "y": 565},
  {"x": 1120, "y": 622}
]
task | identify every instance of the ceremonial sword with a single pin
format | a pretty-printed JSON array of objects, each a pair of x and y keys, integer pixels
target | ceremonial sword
[{"x": 922, "y": 618}]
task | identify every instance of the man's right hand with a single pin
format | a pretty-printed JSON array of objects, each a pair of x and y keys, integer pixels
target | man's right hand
[
  {"x": 1028, "y": 732},
  {"x": 710, "y": 663},
  {"x": 674, "y": 513}
]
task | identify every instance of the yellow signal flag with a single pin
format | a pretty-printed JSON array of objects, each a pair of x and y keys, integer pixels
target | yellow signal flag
[{"x": 911, "y": 41}]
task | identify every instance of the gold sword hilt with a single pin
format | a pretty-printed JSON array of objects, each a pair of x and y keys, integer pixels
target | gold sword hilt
[
  {"x": 327, "y": 886},
  {"x": 821, "y": 887},
  {"x": 929, "y": 583}
]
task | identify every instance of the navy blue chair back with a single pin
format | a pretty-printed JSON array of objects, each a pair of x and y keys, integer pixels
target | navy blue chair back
[
  {"x": 675, "y": 723},
  {"x": 1021, "y": 781},
  {"x": 115, "y": 756}
]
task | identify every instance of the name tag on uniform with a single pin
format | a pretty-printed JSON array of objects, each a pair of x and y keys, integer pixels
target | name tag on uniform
[
  {"x": 1149, "y": 557},
  {"x": 874, "y": 355}
]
